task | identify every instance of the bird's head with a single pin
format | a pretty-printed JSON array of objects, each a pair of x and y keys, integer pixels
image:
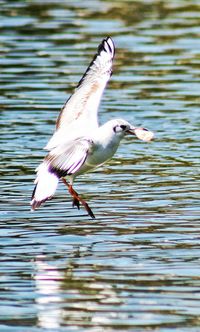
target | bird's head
[{"x": 122, "y": 128}]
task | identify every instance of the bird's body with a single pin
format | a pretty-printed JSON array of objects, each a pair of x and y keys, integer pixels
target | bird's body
[{"x": 79, "y": 144}]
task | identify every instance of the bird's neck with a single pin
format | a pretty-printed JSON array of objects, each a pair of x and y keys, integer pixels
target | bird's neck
[{"x": 106, "y": 137}]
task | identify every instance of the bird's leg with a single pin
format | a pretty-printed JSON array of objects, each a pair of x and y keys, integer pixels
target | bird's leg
[{"x": 77, "y": 199}]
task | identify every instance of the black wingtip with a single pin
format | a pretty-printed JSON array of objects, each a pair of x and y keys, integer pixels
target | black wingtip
[
  {"x": 106, "y": 45},
  {"x": 107, "y": 42},
  {"x": 34, "y": 203}
]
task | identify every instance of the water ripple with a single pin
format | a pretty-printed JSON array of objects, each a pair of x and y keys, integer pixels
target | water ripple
[{"x": 136, "y": 266}]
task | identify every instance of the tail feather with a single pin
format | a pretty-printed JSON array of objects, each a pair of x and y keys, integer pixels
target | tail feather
[{"x": 45, "y": 186}]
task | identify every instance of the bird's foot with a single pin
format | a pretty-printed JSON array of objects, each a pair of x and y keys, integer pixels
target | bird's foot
[
  {"x": 88, "y": 209},
  {"x": 76, "y": 203},
  {"x": 77, "y": 199}
]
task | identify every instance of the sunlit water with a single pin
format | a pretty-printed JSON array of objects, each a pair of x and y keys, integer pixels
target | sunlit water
[{"x": 136, "y": 266}]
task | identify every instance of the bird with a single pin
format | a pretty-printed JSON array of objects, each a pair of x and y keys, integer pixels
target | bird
[{"x": 79, "y": 144}]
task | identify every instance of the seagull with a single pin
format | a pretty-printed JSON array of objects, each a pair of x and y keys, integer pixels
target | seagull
[{"x": 79, "y": 144}]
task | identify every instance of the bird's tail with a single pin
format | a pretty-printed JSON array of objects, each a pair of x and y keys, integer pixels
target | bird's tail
[{"x": 45, "y": 186}]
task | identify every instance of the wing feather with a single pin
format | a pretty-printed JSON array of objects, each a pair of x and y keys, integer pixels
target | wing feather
[
  {"x": 68, "y": 159},
  {"x": 80, "y": 111}
]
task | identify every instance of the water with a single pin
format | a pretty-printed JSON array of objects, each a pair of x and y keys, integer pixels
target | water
[{"x": 136, "y": 266}]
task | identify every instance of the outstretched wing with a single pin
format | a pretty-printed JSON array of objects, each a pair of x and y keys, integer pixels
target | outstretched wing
[
  {"x": 80, "y": 111},
  {"x": 68, "y": 158},
  {"x": 85, "y": 100},
  {"x": 64, "y": 160}
]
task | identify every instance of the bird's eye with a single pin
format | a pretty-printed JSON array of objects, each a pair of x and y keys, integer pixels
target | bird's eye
[
  {"x": 123, "y": 127},
  {"x": 115, "y": 129},
  {"x": 119, "y": 128}
]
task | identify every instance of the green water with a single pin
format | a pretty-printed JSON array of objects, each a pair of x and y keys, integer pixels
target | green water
[{"x": 136, "y": 266}]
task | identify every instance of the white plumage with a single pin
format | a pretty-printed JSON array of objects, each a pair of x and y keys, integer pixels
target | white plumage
[
  {"x": 79, "y": 144},
  {"x": 45, "y": 184}
]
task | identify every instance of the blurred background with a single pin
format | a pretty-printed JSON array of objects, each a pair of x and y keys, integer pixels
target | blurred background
[{"x": 136, "y": 266}]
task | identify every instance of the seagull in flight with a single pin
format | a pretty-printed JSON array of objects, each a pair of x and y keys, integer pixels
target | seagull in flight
[{"x": 79, "y": 144}]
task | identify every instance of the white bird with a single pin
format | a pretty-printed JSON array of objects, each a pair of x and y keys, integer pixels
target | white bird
[{"x": 79, "y": 144}]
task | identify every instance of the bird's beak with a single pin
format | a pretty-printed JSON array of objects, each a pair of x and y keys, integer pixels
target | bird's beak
[{"x": 141, "y": 133}]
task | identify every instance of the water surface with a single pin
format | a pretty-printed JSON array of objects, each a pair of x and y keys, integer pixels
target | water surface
[{"x": 136, "y": 266}]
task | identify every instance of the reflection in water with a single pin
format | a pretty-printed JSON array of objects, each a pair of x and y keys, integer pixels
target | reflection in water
[
  {"x": 47, "y": 294},
  {"x": 137, "y": 265},
  {"x": 63, "y": 298}
]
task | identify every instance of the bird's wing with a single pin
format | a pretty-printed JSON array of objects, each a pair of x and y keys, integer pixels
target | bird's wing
[
  {"x": 68, "y": 158},
  {"x": 80, "y": 110}
]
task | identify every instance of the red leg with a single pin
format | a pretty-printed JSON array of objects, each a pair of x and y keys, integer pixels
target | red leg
[{"x": 77, "y": 199}]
